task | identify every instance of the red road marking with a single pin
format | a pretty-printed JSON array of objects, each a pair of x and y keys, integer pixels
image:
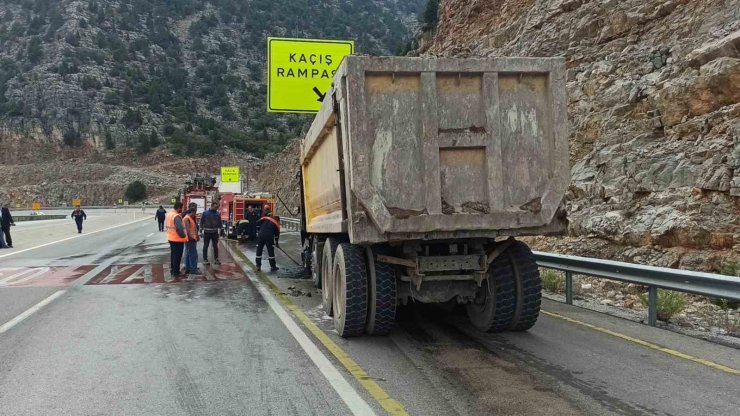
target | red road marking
[
  {"x": 160, "y": 273},
  {"x": 55, "y": 276}
]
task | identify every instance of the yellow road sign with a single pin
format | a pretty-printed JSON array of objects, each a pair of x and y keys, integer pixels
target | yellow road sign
[
  {"x": 76, "y": 202},
  {"x": 120, "y": 201},
  {"x": 230, "y": 174},
  {"x": 300, "y": 72},
  {"x": 174, "y": 200},
  {"x": 36, "y": 206}
]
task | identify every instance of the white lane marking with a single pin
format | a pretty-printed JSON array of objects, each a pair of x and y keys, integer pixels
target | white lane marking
[
  {"x": 14, "y": 276},
  {"x": 149, "y": 235},
  {"x": 36, "y": 273},
  {"x": 70, "y": 238},
  {"x": 349, "y": 395},
  {"x": 33, "y": 309}
]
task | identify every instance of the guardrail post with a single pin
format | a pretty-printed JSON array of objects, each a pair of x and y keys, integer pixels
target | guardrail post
[
  {"x": 569, "y": 287},
  {"x": 652, "y": 306}
]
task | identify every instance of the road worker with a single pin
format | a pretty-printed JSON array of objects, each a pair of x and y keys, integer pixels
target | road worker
[
  {"x": 79, "y": 215},
  {"x": 176, "y": 237},
  {"x": 160, "y": 216},
  {"x": 6, "y": 221},
  {"x": 191, "y": 246},
  {"x": 210, "y": 224},
  {"x": 269, "y": 234},
  {"x": 252, "y": 216}
]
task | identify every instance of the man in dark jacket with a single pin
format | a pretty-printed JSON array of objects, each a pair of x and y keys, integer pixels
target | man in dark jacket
[
  {"x": 6, "y": 221},
  {"x": 269, "y": 234},
  {"x": 79, "y": 215},
  {"x": 210, "y": 224},
  {"x": 161, "y": 213},
  {"x": 252, "y": 217}
]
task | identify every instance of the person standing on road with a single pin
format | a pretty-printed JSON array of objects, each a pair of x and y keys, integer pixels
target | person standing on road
[
  {"x": 252, "y": 217},
  {"x": 191, "y": 247},
  {"x": 6, "y": 221},
  {"x": 210, "y": 224},
  {"x": 160, "y": 216},
  {"x": 176, "y": 237},
  {"x": 269, "y": 234},
  {"x": 79, "y": 215}
]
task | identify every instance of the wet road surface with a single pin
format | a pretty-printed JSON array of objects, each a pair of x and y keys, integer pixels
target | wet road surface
[{"x": 122, "y": 338}]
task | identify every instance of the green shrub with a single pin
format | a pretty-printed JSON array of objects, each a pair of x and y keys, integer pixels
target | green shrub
[
  {"x": 136, "y": 191},
  {"x": 89, "y": 82},
  {"x": 669, "y": 303},
  {"x": 552, "y": 281}
]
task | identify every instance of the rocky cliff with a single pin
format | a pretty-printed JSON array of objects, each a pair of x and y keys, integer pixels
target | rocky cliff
[{"x": 654, "y": 106}]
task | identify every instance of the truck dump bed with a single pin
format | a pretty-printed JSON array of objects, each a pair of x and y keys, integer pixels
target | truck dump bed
[{"x": 423, "y": 149}]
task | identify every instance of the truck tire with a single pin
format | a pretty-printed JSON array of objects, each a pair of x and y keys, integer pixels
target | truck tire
[
  {"x": 493, "y": 308},
  {"x": 529, "y": 286},
  {"x": 317, "y": 250},
  {"x": 327, "y": 262},
  {"x": 350, "y": 290},
  {"x": 381, "y": 302}
]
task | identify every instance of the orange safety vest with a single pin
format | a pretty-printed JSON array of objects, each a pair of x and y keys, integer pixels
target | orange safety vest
[
  {"x": 172, "y": 235},
  {"x": 190, "y": 228}
]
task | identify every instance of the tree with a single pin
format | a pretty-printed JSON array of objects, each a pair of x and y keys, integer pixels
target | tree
[
  {"x": 110, "y": 144},
  {"x": 136, "y": 191},
  {"x": 144, "y": 145},
  {"x": 430, "y": 17},
  {"x": 35, "y": 51},
  {"x": 154, "y": 139}
]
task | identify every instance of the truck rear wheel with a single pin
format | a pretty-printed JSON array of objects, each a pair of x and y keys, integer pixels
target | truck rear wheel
[
  {"x": 510, "y": 298},
  {"x": 317, "y": 251},
  {"x": 381, "y": 304},
  {"x": 327, "y": 263},
  {"x": 529, "y": 286},
  {"x": 492, "y": 310},
  {"x": 350, "y": 290}
]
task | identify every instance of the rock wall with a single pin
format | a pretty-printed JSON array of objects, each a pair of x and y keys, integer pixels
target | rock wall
[
  {"x": 654, "y": 100},
  {"x": 277, "y": 174}
]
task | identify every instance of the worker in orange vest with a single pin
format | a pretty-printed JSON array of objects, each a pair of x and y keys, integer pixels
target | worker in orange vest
[
  {"x": 269, "y": 234},
  {"x": 176, "y": 237},
  {"x": 191, "y": 247}
]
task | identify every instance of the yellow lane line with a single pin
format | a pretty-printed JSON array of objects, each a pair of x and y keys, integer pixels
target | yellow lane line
[
  {"x": 647, "y": 344},
  {"x": 390, "y": 405}
]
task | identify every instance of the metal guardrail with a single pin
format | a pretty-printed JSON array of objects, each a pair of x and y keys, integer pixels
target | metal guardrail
[
  {"x": 697, "y": 283},
  {"x": 290, "y": 224}
]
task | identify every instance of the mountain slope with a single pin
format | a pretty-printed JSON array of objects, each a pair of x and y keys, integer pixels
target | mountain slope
[{"x": 135, "y": 73}]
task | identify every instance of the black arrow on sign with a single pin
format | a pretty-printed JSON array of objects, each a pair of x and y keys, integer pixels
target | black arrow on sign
[{"x": 318, "y": 92}]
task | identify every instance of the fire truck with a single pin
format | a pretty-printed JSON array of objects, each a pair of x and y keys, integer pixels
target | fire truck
[
  {"x": 201, "y": 190},
  {"x": 233, "y": 207}
]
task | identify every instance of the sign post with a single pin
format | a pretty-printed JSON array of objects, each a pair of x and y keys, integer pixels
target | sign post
[
  {"x": 300, "y": 72},
  {"x": 230, "y": 174}
]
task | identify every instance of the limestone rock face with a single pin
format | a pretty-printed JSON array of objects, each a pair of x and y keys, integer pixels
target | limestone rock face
[{"x": 654, "y": 105}]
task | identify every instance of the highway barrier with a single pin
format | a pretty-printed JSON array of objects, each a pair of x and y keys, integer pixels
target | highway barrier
[
  {"x": 697, "y": 283},
  {"x": 19, "y": 218}
]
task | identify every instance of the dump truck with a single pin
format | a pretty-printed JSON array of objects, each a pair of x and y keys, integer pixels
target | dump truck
[{"x": 418, "y": 174}]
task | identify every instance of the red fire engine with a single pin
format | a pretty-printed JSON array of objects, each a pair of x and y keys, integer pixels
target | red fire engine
[
  {"x": 201, "y": 190},
  {"x": 234, "y": 207}
]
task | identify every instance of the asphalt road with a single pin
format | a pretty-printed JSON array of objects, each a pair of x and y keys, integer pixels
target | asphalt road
[{"x": 113, "y": 344}]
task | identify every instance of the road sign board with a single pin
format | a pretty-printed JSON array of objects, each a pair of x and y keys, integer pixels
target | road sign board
[
  {"x": 300, "y": 72},
  {"x": 76, "y": 202},
  {"x": 174, "y": 200},
  {"x": 36, "y": 206},
  {"x": 230, "y": 174},
  {"x": 120, "y": 201}
]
